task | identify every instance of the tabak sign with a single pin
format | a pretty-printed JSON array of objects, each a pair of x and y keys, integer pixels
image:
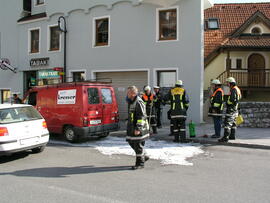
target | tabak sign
[
  {"x": 66, "y": 97},
  {"x": 39, "y": 62}
]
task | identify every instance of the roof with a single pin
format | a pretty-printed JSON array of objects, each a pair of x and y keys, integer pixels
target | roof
[{"x": 232, "y": 18}]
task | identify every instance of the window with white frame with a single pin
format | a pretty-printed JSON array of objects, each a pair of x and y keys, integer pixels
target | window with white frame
[
  {"x": 54, "y": 38},
  {"x": 34, "y": 40},
  {"x": 39, "y": 2},
  {"x": 166, "y": 78},
  {"x": 167, "y": 24},
  {"x": 101, "y": 31}
]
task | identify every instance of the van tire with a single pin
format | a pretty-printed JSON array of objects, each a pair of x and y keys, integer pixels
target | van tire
[
  {"x": 38, "y": 149},
  {"x": 70, "y": 135}
]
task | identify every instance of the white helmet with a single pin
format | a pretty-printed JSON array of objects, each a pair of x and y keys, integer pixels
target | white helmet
[
  {"x": 179, "y": 82},
  {"x": 156, "y": 87},
  {"x": 147, "y": 88},
  {"x": 216, "y": 82},
  {"x": 231, "y": 80}
]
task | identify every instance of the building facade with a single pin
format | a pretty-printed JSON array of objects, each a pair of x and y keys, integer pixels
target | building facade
[
  {"x": 131, "y": 42},
  {"x": 237, "y": 44}
]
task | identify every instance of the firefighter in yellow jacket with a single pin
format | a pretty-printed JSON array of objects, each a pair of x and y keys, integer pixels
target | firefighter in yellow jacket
[{"x": 179, "y": 105}]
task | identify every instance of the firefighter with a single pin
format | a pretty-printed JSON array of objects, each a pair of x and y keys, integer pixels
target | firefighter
[
  {"x": 149, "y": 99},
  {"x": 179, "y": 106},
  {"x": 232, "y": 105},
  {"x": 216, "y": 108},
  {"x": 137, "y": 126},
  {"x": 158, "y": 105}
]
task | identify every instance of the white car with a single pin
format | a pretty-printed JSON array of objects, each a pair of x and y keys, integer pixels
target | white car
[{"x": 21, "y": 128}]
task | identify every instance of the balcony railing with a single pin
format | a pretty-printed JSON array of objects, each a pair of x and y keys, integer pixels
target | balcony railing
[{"x": 249, "y": 78}]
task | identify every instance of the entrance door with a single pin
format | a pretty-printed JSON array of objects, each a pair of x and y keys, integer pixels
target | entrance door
[{"x": 256, "y": 70}]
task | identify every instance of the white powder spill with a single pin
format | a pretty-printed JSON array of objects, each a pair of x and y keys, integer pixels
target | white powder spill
[{"x": 166, "y": 152}]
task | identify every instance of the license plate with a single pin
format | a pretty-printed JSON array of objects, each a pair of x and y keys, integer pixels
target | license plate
[
  {"x": 95, "y": 122},
  {"x": 29, "y": 140}
]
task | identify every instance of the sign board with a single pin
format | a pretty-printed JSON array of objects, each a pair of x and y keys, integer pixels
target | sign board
[
  {"x": 39, "y": 62},
  {"x": 66, "y": 97},
  {"x": 48, "y": 74}
]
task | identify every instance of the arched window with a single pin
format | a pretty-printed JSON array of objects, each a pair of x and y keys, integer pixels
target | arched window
[{"x": 256, "y": 31}]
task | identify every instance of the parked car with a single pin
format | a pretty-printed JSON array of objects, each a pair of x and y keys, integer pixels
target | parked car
[
  {"x": 77, "y": 110},
  {"x": 21, "y": 128}
]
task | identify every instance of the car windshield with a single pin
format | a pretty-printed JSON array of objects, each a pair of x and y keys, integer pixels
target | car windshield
[{"x": 18, "y": 114}]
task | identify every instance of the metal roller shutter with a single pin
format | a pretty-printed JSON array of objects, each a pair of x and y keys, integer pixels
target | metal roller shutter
[{"x": 120, "y": 82}]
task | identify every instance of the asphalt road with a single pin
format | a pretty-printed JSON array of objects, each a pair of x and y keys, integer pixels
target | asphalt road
[{"x": 82, "y": 174}]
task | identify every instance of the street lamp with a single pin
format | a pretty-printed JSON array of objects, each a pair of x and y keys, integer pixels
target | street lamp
[{"x": 62, "y": 26}]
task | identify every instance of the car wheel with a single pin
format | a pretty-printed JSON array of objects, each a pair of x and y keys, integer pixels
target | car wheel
[
  {"x": 70, "y": 134},
  {"x": 38, "y": 149}
]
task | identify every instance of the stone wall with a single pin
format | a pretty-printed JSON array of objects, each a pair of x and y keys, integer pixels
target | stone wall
[{"x": 256, "y": 114}]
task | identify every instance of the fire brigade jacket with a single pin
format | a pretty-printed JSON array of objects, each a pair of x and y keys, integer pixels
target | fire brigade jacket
[
  {"x": 216, "y": 101},
  {"x": 149, "y": 102},
  {"x": 137, "y": 120},
  {"x": 159, "y": 100},
  {"x": 179, "y": 102},
  {"x": 233, "y": 100}
]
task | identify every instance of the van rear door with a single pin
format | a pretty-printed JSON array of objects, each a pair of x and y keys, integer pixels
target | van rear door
[{"x": 107, "y": 105}]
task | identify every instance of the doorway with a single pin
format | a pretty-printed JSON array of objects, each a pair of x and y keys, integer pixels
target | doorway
[{"x": 256, "y": 70}]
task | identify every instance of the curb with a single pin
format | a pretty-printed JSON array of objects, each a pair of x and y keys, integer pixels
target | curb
[{"x": 214, "y": 142}]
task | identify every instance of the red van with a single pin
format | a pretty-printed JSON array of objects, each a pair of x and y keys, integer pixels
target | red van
[{"x": 77, "y": 109}]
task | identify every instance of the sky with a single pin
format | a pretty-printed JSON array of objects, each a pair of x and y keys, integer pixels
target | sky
[{"x": 239, "y": 1}]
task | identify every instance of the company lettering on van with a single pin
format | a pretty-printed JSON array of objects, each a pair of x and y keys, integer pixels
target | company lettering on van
[{"x": 66, "y": 97}]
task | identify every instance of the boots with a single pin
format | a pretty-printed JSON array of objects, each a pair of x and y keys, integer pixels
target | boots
[
  {"x": 176, "y": 137},
  {"x": 225, "y": 137},
  {"x": 139, "y": 163},
  {"x": 183, "y": 137},
  {"x": 232, "y": 135}
]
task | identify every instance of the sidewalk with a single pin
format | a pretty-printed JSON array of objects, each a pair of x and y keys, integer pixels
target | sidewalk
[{"x": 245, "y": 137}]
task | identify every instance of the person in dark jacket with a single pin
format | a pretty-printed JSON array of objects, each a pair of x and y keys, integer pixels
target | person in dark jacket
[
  {"x": 179, "y": 105},
  {"x": 216, "y": 108},
  {"x": 16, "y": 99},
  {"x": 158, "y": 105},
  {"x": 232, "y": 106},
  {"x": 137, "y": 126},
  {"x": 149, "y": 99}
]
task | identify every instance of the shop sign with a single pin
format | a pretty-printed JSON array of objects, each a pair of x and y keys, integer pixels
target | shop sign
[
  {"x": 39, "y": 62},
  {"x": 47, "y": 74}
]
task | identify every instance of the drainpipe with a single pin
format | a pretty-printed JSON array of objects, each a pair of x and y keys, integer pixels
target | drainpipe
[{"x": 63, "y": 28}]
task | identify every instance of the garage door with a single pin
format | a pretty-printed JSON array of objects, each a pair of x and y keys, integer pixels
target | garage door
[{"x": 120, "y": 82}]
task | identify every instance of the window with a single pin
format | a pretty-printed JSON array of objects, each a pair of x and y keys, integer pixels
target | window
[
  {"x": 166, "y": 78},
  {"x": 5, "y": 96},
  {"x": 239, "y": 63},
  {"x": 213, "y": 23},
  {"x": 54, "y": 38},
  {"x": 39, "y": 2},
  {"x": 34, "y": 41},
  {"x": 106, "y": 96},
  {"x": 102, "y": 32},
  {"x": 168, "y": 24},
  {"x": 256, "y": 31},
  {"x": 93, "y": 97},
  {"x": 78, "y": 76}
]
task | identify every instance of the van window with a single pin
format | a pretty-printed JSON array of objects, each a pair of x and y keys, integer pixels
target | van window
[
  {"x": 32, "y": 100},
  {"x": 106, "y": 96},
  {"x": 93, "y": 97}
]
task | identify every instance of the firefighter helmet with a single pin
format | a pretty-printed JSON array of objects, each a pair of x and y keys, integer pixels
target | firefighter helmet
[
  {"x": 147, "y": 88},
  {"x": 231, "y": 80},
  {"x": 156, "y": 87},
  {"x": 179, "y": 83},
  {"x": 216, "y": 82}
]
